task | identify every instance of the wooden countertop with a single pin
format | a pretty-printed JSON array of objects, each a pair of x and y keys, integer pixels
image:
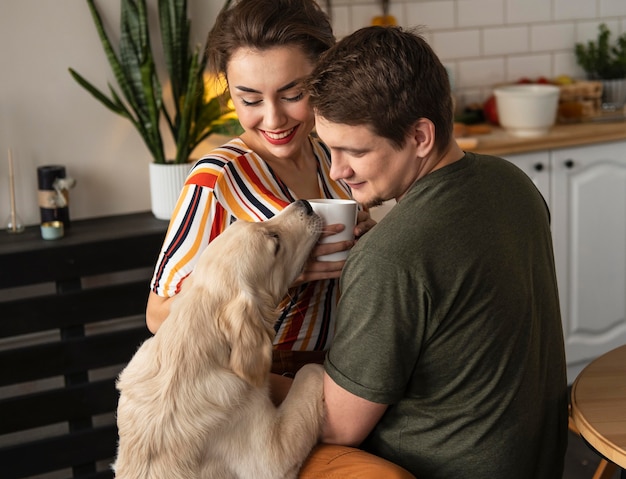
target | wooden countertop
[
  {"x": 599, "y": 405},
  {"x": 500, "y": 143}
]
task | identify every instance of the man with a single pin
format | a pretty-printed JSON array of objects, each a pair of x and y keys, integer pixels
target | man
[{"x": 448, "y": 358}]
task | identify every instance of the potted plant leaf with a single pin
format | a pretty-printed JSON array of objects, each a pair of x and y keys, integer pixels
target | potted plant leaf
[
  {"x": 605, "y": 61},
  {"x": 191, "y": 115}
]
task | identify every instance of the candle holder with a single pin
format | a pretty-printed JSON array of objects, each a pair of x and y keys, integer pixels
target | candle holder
[{"x": 52, "y": 230}]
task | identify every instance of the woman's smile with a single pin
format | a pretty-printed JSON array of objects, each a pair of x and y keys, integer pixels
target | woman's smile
[{"x": 280, "y": 138}]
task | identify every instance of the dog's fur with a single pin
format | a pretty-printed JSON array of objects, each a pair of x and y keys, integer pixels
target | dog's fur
[{"x": 194, "y": 399}]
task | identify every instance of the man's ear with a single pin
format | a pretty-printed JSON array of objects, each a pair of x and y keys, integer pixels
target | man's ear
[{"x": 423, "y": 134}]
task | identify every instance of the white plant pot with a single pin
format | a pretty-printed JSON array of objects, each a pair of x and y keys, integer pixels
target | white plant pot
[{"x": 166, "y": 181}]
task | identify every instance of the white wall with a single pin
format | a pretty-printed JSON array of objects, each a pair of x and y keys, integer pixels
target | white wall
[{"x": 46, "y": 118}]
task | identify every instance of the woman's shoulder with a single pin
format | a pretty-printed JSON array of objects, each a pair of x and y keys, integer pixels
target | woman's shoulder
[
  {"x": 224, "y": 154},
  {"x": 230, "y": 156}
]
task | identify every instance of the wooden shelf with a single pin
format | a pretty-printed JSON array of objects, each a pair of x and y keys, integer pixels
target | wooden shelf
[
  {"x": 61, "y": 348},
  {"x": 89, "y": 247}
]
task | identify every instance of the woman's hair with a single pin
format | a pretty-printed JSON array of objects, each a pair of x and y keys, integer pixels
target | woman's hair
[
  {"x": 263, "y": 24},
  {"x": 384, "y": 78}
]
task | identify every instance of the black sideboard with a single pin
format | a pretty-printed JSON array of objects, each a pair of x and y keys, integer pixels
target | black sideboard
[{"x": 72, "y": 313}]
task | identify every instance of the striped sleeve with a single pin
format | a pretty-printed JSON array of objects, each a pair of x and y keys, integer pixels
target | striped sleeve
[
  {"x": 196, "y": 219},
  {"x": 228, "y": 184}
]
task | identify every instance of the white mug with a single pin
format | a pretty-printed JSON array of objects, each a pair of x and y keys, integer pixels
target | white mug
[{"x": 335, "y": 211}]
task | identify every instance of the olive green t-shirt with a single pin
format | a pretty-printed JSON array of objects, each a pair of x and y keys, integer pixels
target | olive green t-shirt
[{"x": 449, "y": 314}]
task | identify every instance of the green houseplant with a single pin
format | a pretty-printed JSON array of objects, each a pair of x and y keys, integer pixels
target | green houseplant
[
  {"x": 190, "y": 114},
  {"x": 606, "y": 62},
  {"x": 600, "y": 59},
  {"x": 191, "y": 117}
]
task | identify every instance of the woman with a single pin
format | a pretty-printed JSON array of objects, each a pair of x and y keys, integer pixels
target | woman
[{"x": 264, "y": 49}]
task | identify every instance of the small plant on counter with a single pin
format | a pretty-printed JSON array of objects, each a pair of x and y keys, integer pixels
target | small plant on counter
[
  {"x": 192, "y": 115},
  {"x": 600, "y": 59}
]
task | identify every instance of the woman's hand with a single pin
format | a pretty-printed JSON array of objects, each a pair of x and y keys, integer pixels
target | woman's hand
[{"x": 315, "y": 270}]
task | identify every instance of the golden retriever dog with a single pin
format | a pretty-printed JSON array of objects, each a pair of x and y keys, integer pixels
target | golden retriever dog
[{"x": 194, "y": 399}]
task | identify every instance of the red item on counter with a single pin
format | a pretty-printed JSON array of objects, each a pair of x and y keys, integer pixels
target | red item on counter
[{"x": 490, "y": 110}]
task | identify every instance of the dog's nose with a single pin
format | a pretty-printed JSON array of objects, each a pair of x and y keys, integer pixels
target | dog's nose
[{"x": 307, "y": 206}]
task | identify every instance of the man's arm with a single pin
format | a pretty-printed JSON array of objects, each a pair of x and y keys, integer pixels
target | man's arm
[{"x": 349, "y": 418}]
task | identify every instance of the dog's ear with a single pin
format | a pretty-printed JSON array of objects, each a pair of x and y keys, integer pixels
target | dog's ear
[{"x": 250, "y": 341}]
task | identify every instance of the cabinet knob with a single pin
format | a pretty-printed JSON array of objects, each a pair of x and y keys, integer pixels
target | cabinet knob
[
  {"x": 569, "y": 163},
  {"x": 538, "y": 166}
]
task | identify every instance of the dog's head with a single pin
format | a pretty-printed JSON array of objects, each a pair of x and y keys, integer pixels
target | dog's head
[{"x": 244, "y": 274}]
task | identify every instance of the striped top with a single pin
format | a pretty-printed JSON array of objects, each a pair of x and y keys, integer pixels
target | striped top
[{"x": 230, "y": 183}]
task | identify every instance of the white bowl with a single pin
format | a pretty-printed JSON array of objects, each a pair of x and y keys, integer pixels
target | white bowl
[{"x": 527, "y": 110}]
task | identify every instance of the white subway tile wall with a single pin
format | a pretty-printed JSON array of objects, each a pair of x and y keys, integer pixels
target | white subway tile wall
[
  {"x": 506, "y": 40},
  {"x": 528, "y": 11},
  {"x": 436, "y": 15},
  {"x": 480, "y": 13},
  {"x": 486, "y": 42}
]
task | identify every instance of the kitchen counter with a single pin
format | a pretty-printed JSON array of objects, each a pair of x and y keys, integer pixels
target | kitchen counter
[{"x": 500, "y": 143}]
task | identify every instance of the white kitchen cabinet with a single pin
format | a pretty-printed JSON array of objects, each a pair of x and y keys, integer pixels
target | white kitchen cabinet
[
  {"x": 537, "y": 166},
  {"x": 589, "y": 229},
  {"x": 585, "y": 188}
]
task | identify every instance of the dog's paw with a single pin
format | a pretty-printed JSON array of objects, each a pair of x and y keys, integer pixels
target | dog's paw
[
  {"x": 306, "y": 398},
  {"x": 309, "y": 381}
]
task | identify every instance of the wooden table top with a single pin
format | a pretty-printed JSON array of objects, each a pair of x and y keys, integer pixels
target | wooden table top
[
  {"x": 599, "y": 405},
  {"x": 501, "y": 143}
]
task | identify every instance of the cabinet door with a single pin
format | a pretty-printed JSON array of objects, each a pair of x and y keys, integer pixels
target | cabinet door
[
  {"x": 537, "y": 166},
  {"x": 589, "y": 230}
]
